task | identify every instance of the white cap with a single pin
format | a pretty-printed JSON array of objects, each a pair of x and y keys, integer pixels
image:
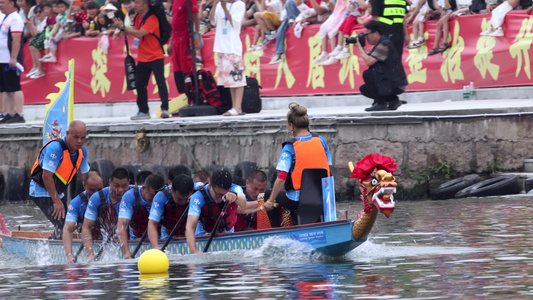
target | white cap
[{"x": 110, "y": 6}]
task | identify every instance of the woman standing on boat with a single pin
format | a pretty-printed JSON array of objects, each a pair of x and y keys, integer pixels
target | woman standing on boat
[{"x": 305, "y": 150}]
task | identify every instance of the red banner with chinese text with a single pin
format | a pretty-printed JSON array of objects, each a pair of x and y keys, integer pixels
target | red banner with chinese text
[{"x": 486, "y": 61}]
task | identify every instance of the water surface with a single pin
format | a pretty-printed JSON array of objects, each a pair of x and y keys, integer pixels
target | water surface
[{"x": 467, "y": 248}]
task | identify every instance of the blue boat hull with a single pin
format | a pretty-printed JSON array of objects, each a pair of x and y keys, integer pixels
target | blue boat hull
[{"x": 330, "y": 238}]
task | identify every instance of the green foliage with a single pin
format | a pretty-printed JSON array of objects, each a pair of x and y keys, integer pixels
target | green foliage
[
  {"x": 495, "y": 167},
  {"x": 441, "y": 169},
  {"x": 444, "y": 169}
]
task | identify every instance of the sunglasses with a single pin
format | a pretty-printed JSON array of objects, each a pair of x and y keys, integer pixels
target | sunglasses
[{"x": 38, "y": 11}]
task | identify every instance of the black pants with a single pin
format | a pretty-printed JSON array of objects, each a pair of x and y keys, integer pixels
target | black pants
[
  {"x": 370, "y": 89},
  {"x": 284, "y": 202},
  {"x": 395, "y": 34},
  {"x": 142, "y": 77},
  {"x": 46, "y": 204}
]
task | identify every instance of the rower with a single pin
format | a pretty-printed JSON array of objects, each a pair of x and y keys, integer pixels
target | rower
[
  {"x": 255, "y": 185},
  {"x": 76, "y": 210},
  {"x": 201, "y": 176},
  {"x": 168, "y": 206},
  {"x": 305, "y": 150},
  {"x": 134, "y": 209},
  {"x": 53, "y": 171},
  {"x": 102, "y": 210},
  {"x": 206, "y": 206}
]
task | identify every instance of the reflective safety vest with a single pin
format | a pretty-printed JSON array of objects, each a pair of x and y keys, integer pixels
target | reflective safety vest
[
  {"x": 139, "y": 220},
  {"x": 172, "y": 215},
  {"x": 107, "y": 217},
  {"x": 211, "y": 211},
  {"x": 309, "y": 154},
  {"x": 64, "y": 172},
  {"x": 393, "y": 12}
]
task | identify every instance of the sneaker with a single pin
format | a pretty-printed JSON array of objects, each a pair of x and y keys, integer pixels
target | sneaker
[
  {"x": 51, "y": 59},
  {"x": 47, "y": 56},
  {"x": 345, "y": 53},
  {"x": 298, "y": 30},
  {"x": 291, "y": 21},
  {"x": 141, "y": 116},
  {"x": 377, "y": 107},
  {"x": 276, "y": 59},
  {"x": 336, "y": 51},
  {"x": 322, "y": 58},
  {"x": 4, "y": 118},
  {"x": 497, "y": 32},
  {"x": 16, "y": 119},
  {"x": 32, "y": 71},
  {"x": 252, "y": 48},
  {"x": 270, "y": 35},
  {"x": 37, "y": 74},
  {"x": 395, "y": 104},
  {"x": 331, "y": 60},
  {"x": 164, "y": 114},
  {"x": 487, "y": 32},
  {"x": 199, "y": 62}
]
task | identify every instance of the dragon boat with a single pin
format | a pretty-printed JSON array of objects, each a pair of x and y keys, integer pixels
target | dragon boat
[{"x": 333, "y": 238}]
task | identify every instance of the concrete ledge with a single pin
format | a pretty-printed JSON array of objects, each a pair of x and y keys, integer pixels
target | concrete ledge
[{"x": 127, "y": 109}]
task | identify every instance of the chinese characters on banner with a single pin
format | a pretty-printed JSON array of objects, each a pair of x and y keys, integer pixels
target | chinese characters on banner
[{"x": 487, "y": 61}]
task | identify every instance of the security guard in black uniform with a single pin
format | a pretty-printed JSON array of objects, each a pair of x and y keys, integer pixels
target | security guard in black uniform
[{"x": 390, "y": 13}]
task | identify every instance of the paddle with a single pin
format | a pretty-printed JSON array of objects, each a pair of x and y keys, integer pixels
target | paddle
[
  {"x": 107, "y": 242},
  {"x": 145, "y": 234},
  {"x": 175, "y": 228},
  {"x": 216, "y": 226},
  {"x": 75, "y": 259}
]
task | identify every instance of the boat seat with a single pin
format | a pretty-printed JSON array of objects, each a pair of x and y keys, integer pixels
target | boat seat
[{"x": 311, "y": 207}]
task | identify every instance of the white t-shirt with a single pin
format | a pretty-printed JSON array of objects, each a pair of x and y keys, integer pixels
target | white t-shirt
[
  {"x": 276, "y": 5},
  {"x": 227, "y": 37},
  {"x": 13, "y": 21}
]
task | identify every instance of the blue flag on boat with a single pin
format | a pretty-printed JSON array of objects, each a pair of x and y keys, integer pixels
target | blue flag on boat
[
  {"x": 328, "y": 197},
  {"x": 60, "y": 111}
]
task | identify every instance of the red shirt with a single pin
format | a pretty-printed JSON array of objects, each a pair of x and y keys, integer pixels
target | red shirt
[
  {"x": 180, "y": 30},
  {"x": 149, "y": 47}
]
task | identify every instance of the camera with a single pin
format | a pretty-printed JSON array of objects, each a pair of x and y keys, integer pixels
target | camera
[{"x": 361, "y": 37}]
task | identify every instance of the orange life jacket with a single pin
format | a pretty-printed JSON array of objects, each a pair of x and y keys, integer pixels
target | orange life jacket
[
  {"x": 308, "y": 155},
  {"x": 263, "y": 221},
  {"x": 64, "y": 172}
]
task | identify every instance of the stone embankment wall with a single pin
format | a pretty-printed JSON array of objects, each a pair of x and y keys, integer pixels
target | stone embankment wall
[{"x": 427, "y": 149}]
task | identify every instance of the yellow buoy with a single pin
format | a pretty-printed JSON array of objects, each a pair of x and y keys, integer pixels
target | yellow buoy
[{"x": 153, "y": 261}]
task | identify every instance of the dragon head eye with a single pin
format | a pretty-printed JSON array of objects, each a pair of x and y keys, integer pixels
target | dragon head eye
[{"x": 374, "y": 180}]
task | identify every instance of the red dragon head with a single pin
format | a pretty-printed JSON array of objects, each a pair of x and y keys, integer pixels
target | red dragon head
[{"x": 378, "y": 185}]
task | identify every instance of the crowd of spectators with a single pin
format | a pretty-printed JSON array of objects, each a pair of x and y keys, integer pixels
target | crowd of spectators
[{"x": 47, "y": 23}]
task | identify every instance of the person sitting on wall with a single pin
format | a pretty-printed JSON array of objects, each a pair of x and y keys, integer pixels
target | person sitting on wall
[
  {"x": 134, "y": 210},
  {"x": 76, "y": 210},
  {"x": 102, "y": 210},
  {"x": 168, "y": 206}
]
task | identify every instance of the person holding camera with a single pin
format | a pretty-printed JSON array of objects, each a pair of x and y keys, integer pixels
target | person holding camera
[{"x": 385, "y": 77}]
